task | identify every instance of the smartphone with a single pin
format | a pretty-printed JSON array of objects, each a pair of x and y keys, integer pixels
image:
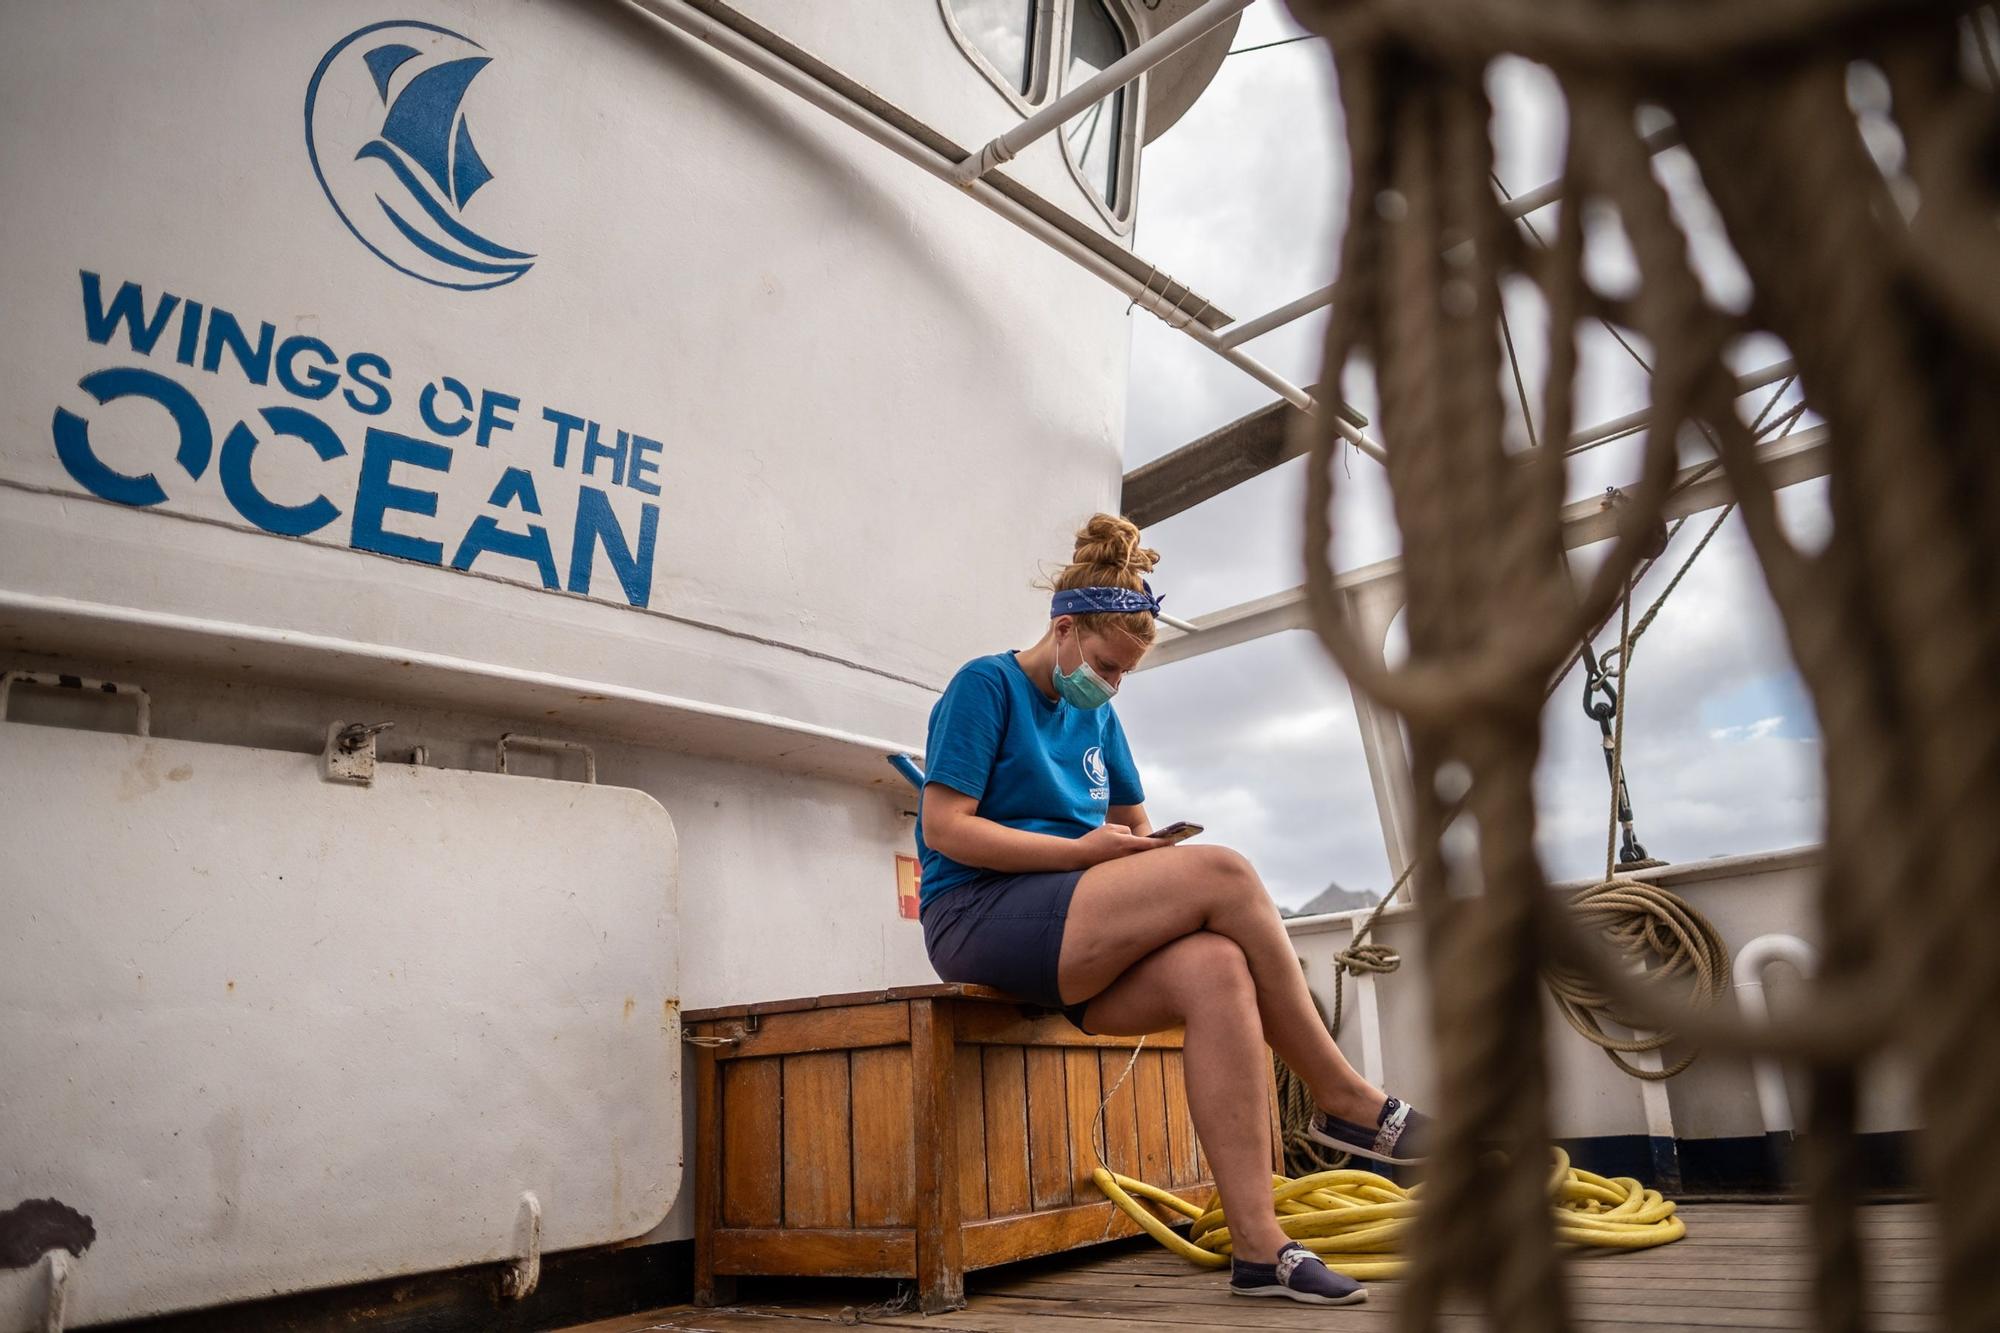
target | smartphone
[{"x": 1180, "y": 831}]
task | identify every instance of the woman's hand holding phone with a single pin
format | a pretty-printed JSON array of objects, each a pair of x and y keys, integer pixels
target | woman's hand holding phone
[{"x": 1108, "y": 842}]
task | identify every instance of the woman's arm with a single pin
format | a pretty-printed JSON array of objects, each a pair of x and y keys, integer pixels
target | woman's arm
[
  {"x": 1133, "y": 817},
  {"x": 952, "y": 825}
]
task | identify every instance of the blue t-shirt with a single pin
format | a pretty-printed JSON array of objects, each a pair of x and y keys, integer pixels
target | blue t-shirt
[{"x": 1031, "y": 762}]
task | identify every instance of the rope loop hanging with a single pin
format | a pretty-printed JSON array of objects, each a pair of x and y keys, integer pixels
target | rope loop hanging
[{"x": 1876, "y": 272}]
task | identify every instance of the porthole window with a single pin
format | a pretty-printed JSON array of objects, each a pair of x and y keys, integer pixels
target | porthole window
[
  {"x": 1095, "y": 139},
  {"x": 1008, "y": 39},
  {"x": 1028, "y": 48}
]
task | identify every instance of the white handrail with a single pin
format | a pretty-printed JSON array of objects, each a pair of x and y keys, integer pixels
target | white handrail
[
  {"x": 1096, "y": 88},
  {"x": 1774, "y": 1100},
  {"x": 1514, "y": 209},
  {"x": 725, "y": 40}
]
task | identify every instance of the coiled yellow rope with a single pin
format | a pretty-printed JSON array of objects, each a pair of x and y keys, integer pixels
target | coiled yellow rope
[{"x": 1355, "y": 1220}]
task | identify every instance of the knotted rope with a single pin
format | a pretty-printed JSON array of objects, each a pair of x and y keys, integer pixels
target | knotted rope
[{"x": 1882, "y": 283}]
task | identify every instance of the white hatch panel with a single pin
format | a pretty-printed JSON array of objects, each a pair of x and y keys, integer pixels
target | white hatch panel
[{"x": 269, "y": 1033}]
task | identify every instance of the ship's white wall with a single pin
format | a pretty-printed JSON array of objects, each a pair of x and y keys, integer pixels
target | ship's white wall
[
  {"x": 339, "y": 1033},
  {"x": 880, "y": 406},
  {"x": 880, "y": 410},
  {"x": 1743, "y": 896},
  {"x": 787, "y": 882}
]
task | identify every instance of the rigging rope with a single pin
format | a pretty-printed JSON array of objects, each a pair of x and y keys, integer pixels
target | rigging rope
[
  {"x": 1882, "y": 287},
  {"x": 1364, "y": 956}
]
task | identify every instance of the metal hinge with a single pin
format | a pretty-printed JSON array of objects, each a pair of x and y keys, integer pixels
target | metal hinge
[{"x": 349, "y": 756}]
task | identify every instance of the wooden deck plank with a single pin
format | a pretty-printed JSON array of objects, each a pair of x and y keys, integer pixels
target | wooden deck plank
[
  {"x": 1592, "y": 1301},
  {"x": 1003, "y": 1314},
  {"x": 1638, "y": 1308},
  {"x": 1741, "y": 1267}
]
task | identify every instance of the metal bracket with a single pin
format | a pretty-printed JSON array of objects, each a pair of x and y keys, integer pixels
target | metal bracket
[
  {"x": 1656, "y": 540},
  {"x": 524, "y": 742},
  {"x": 54, "y": 1313},
  {"x": 349, "y": 756},
  {"x": 520, "y": 1281},
  {"x": 83, "y": 684}
]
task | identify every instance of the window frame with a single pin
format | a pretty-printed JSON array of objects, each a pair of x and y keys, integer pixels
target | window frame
[
  {"x": 1117, "y": 215},
  {"x": 1050, "y": 15}
]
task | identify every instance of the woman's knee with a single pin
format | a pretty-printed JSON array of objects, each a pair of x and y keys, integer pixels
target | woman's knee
[
  {"x": 1210, "y": 971},
  {"x": 1227, "y": 877}
]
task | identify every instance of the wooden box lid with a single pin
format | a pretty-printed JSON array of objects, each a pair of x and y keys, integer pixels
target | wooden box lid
[{"x": 939, "y": 990}]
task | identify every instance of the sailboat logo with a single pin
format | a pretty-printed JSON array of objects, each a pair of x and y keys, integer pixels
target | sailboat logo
[{"x": 390, "y": 143}]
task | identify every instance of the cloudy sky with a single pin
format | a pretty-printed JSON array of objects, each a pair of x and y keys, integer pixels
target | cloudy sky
[{"x": 1259, "y": 742}]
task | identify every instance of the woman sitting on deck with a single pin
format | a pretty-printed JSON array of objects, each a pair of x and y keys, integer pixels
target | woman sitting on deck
[{"x": 1040, "y": 878}]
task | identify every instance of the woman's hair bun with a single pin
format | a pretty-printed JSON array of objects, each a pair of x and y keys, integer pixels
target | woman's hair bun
[{"x": 1111, "y": 543}]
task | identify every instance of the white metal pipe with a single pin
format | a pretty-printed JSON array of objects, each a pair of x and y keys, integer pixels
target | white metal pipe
[
  {"x": 1285, "y": 389},
  {"x": 1796, "y": 458},
  {"x": 1243, "y": 330},
  {"x": 1099, "y": 86},
  {"x": 1605, "y": 431},
  {"x": 1774, "y": 1100},
  {"x": 1518, "y": 207}
]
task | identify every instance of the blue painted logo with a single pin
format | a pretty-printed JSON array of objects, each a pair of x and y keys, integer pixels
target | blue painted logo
[
  {"x": 387, "y": 134},
  {"x": 1093, "y": 766}
]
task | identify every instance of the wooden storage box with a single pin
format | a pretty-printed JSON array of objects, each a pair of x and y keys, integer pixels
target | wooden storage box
[{"x": 918, "y": 1133}]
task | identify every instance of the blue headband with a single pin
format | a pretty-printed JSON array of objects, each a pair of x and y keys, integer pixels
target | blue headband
[{"x": 1083, "y": 601}]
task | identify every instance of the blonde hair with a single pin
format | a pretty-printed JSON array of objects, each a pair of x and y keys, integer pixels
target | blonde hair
[{"x": 1108, "y": 555}]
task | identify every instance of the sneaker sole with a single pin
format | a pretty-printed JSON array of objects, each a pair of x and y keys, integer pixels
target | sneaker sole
[
  {"x": 1302, "y": 1297},
  {"x": 1354, "y": 1150}
]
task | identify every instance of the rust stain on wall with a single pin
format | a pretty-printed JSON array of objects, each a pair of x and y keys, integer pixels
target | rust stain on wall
[{"x": 33, "y": 1227}]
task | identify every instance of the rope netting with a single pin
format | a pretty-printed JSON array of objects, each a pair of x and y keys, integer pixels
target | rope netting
[{"x": 1886, "y": 289}]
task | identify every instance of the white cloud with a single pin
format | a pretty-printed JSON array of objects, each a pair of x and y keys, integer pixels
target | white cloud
[
  {"x": 1761, "y": 729},
  {"x": 1242, "y": 200}
]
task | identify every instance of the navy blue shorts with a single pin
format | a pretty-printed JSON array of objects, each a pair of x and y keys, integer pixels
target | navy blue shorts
[{"x": 1004, "y": 931}]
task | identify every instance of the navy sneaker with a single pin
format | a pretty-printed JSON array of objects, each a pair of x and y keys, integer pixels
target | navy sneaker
[
  {"x": 1400, "y": 1136},
  {"x": 1298, "y": 1275}
]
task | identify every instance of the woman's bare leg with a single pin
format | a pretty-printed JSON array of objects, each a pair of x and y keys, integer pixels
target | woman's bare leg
[
  {"x": 1202, "y": 982},
  {"x": 1123, "y": 910}
]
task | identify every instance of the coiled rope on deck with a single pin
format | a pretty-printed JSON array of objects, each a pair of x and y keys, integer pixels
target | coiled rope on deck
[{"x": 1356, "y": 1220}]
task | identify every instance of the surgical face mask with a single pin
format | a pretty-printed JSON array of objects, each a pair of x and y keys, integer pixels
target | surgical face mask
[{"x": 1083, "y": 687}]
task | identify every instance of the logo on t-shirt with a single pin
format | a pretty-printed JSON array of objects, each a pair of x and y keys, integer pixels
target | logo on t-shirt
[{"x": 1093, "y": 769}]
